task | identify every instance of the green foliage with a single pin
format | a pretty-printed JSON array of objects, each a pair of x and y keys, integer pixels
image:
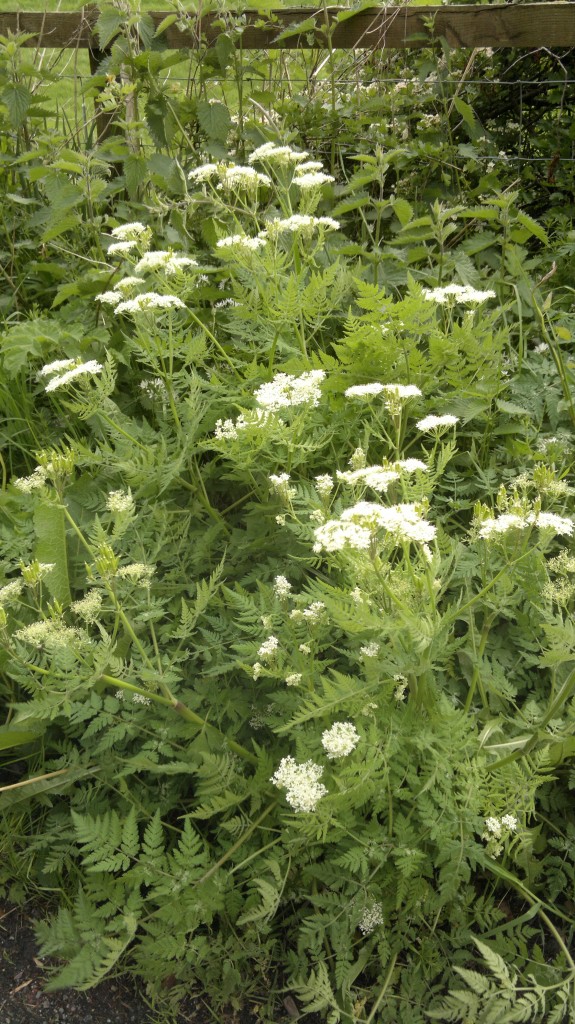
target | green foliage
[{"x": 289, "y": 669}]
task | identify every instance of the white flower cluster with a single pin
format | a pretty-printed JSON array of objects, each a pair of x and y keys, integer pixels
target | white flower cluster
[
  {"x": 394, "y": 394},
  {"x": 497, "y": 830},
  {"x": 336, "y": 534},
  {"x": 457, "y": 293},
  {"x": 137, "y": 572},
  {"x": 287, "y": 390},
  {"x": 358, "y": 459},
  {"x": 294, "y": 679},
  {"x": 56, "y": 367},
  {"x": 364, "y": 390},
  {"x": 268, "y": 649},
  {"x": 241, "y": 242},
  {"x": 169, "y": 262},
  {"x": 310, "y": 165},
  {"x": 436, "y": 422},
  {"x": 51, "y": 634},
  {"x": 410, "y": 465},
  {"x": 28, "y": 484},
  {"x": 148, "y": 301},
  {"x": 125, "y": 285},
  {"x": 371, "y": 919},
  {"x": 89, "y": 606},
  {"x": 511, "y": 521},
  {"x": 235, "y": 176},
  {"x": 402, "y": 685},
  {"x": 119, "y": 248},
  {"x": 281, "y": 487},
  {"x": 495, "y": 825},
  {"x": 228, "y": 429},
  {"x": 312, "y": 614},
  {"x": 204, "y": 173},
  {"x": 10, "y": 591},
  {"x": 376, "y": 477},
  {"x": 401, "y": 391},
  {"x": 129, "y": 232},
  {"x": 324, "y": 485},
  {"x": 371, "y": 650},
  {"x": 301, "y": 782},
  {"x": 302, "y": 222},
  {"x": 109, "y": 298},
  {"x": 340, "y": 740},
  {"x": 140, "y": 698},
  {"x": 154, "y": 389},
  {"x": 120, "y": 502},
  {"x": 403, "y": 523},
  {"x": 281, "y": 155},
  {"x": 91, "y": 367},
  {"x": 282, "y": 587},
  {"x": 312, "y": 179}
]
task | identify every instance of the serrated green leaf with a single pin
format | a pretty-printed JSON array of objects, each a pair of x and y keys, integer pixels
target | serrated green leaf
[
  {"x": 166, "y": 23},
  {"x": 466, "y": 112},
  {"x": 403, "y": 211},
  {"x": 17, "y": 99},
  {"x": 511, "y": 409},
  {"x": 108, "y": 25},
  {"x": 214, "y": 120},
  {"x": 135, "y": 173},
  {"x": 533, "y": 227}
]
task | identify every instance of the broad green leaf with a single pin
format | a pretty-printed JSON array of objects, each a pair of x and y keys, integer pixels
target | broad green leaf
[
  {"x": 309, "y": 25},
  {"x": 557, "y": 753},
  {"x": 56, "y": 782},
  {"x": 49, "y": 525},
  {"x": 533, "y": 227},
  {"x": 403, "y": 211},
  {"x": 135, "y": 173},
  {"x": 214, "y": 119},
  {"x": 513, "y": 410},
  {"x": 466, "y": 112},
  {"x": 60, "y": 227},
  {"x": 225, "y": 48},
  {"x": 65, "y": 292},
  {"x": 17, "y": 99},
  {"x": 146, "y": 30},
  {"x": 166, "y": 23},
  {"x": 108, "y": 25},
  {"x": 15, "y": 737}
]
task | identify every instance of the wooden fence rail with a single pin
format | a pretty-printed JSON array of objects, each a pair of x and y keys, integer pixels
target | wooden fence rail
[{"x": 533, "y": 26}]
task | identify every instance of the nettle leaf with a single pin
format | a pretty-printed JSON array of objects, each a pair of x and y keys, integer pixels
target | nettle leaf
[
  {"x": 533, "y": 227},
  {"x": 108, "y": 25},
  {"x": 135, "y": 173},
  {"x": 403, "y": 211},
  {"x": 214, "y": 120},
  {"x": 17, "y": 99},
  {"x": 466, "y": 112}
]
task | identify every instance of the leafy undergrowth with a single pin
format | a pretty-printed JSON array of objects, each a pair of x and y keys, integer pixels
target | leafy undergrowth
[{"x": 287, "y": 523}]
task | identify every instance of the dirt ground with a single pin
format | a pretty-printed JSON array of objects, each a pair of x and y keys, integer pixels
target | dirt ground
[{"x": 23, "y": 1000}]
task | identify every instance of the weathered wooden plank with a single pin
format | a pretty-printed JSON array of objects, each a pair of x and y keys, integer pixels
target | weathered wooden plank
[{"x": 506, "y": 25}]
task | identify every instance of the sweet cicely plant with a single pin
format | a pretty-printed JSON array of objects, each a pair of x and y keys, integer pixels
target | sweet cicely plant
[{"x": 295, "y": 653}]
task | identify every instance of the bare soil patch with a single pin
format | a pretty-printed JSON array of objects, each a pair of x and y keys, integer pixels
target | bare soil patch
[{"x": 115, "y": 1001}]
